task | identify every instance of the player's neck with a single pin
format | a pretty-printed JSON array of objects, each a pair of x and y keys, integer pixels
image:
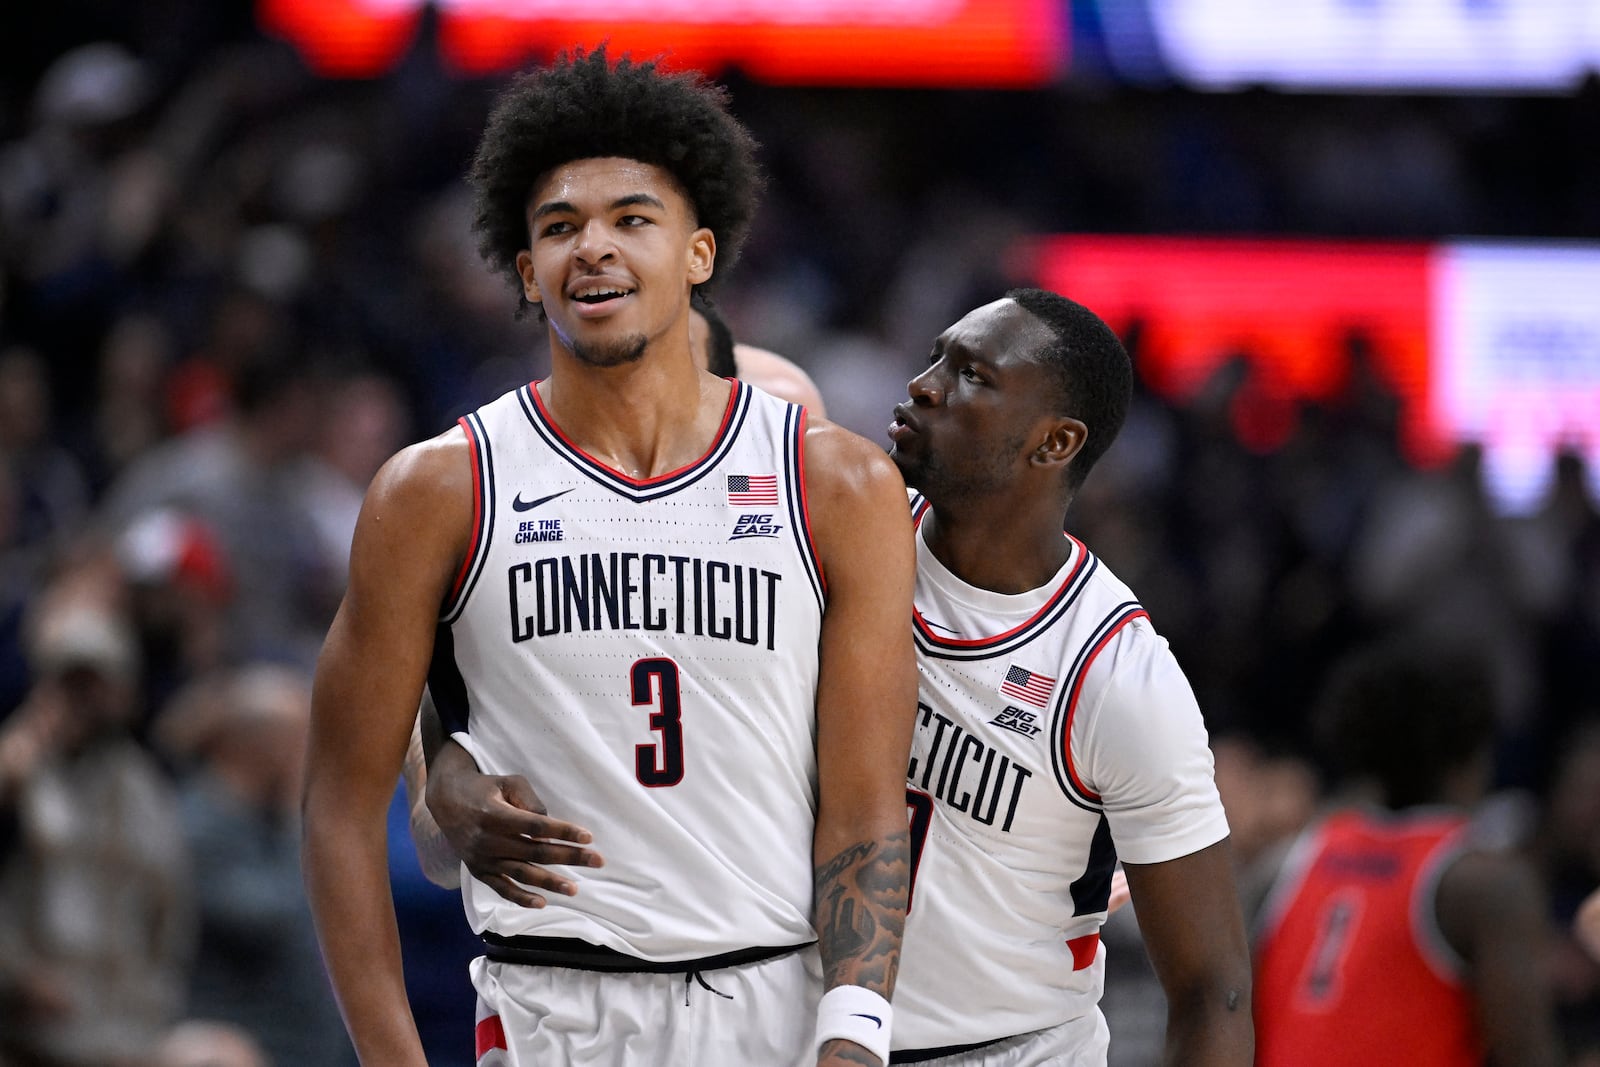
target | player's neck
[
  {"x": 997, "y": 550},
  {"x": 643, "y": 419}
]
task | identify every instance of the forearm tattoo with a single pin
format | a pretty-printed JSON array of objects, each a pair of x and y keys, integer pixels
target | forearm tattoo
[
  {"x": 850, "y": 1052},
  {"x": 861, "y": 912}
]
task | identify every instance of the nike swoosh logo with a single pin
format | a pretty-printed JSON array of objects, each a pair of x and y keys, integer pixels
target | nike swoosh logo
[
  {"x": 937, "y": 626},
  {"x": 520, "y": 504},
  {"x": 874, "y": 1018}
]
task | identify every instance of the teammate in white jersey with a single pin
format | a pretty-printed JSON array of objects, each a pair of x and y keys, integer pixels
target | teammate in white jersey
[
  {"x": 677, "y": 598},
  {"x": 1055, "y": 733}
]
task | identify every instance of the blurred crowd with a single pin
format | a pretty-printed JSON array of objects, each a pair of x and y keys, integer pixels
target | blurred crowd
[{"x": 228, "y": 291}]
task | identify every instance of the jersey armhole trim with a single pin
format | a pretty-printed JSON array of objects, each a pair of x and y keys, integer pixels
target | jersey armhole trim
[
  {"x": 1432, "y": 945},
  {"x": 1292, "y": 871},
  {"x": 1067, "y": 704},
  {"x": 482, "y": 518},
  {"x": 794, "y": 433}
]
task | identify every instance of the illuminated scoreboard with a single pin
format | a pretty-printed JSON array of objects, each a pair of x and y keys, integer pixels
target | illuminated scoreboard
[
  {"x": 971, "y": 43},
  {"x": 1496, "y": 343}
]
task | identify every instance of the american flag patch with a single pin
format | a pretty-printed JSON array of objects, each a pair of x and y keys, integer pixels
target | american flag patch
[
  {"x": 753, "y": 490},
  {"x": 1023, "y": 684}
]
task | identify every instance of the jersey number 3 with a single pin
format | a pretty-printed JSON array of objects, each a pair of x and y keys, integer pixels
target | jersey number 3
[{"x": 654, "y": 682}]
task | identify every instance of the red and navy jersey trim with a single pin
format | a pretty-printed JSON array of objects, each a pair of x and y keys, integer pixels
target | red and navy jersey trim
[
  {"x": 794, "y": 475},
  {"x": 640, "y": 491},
  {"x": 1066, "y": 704},
  {"x": 932, "y": 644},
  {"x": 482, "y": 518}
]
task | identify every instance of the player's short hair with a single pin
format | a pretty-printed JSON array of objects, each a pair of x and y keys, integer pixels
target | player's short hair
[
  {"x": 719, "y": 340},
  {"x": 1406, "y": 713},
  {"x": 585, "y": 107},
  {"x": 1093, "y": 373}
]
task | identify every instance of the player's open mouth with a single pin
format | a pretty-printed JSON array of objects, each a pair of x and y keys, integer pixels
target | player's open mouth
[
  {"x": 902, "y": 426},
  {"x": 599, "y": 295}
]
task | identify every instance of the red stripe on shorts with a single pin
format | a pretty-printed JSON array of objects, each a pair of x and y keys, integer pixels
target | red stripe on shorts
[
  {"x": 1082, "y": 950},
  {"x": 491, "y": 1035}
]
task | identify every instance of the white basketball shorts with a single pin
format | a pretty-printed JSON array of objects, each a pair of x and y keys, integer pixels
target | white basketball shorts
[{"x": 755, "y": 1013}]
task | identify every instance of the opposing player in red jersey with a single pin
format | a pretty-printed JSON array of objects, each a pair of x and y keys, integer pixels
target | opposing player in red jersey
[{"x": 1390, "y": 935}]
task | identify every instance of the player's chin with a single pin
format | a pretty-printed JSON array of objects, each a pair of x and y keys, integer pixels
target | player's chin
[
  {"x": 610, "y": 351},
  {"x": 910, "y": 469}
]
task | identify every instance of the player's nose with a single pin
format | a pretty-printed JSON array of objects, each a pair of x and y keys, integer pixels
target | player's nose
[
  {"x": 925, "y": 388},
  {"x": 594, "y": 243}
]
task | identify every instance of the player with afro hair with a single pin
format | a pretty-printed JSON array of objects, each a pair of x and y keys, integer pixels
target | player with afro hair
[{"x": 586, "y": 107}]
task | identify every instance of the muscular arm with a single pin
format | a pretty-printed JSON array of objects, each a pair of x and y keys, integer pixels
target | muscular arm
[
  {"x": 1488, "y": 906},
  {"x": 1189, "y": 915},
  {"x": 409, "y": 541},
  {"x": 866, "y": 703}
]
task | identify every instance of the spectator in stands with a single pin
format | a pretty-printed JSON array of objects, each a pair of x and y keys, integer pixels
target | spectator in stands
[
  {"x": 241, "y": 740},
  {"x": 95, "y": 915}
]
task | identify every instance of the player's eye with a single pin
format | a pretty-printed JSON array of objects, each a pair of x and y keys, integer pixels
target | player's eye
[
  {"x": 633, "y": 220},
  {"x": 555, "y": 228}
]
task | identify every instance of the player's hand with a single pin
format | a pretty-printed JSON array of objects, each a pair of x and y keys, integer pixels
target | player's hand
[
  {"x": 1587, "y": 925},
  {"x": 1119, "y": 892},
  {"x": 501, "y": 830}
]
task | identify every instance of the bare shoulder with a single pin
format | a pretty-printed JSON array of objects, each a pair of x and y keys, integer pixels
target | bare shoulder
[
  {"x": 841, "y": 466},
  {"x": 419, "y": 509},
  {"x": 1485, "y": 888},
  {"x": 856, "y": 503},
  {"x": 781, "y": 377},
  {"x": 432, "y": 473},
  {"x": 1487, "y": 877}
]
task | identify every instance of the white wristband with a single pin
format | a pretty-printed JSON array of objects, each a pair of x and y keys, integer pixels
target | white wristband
[{"x": 855, "y": 1013}]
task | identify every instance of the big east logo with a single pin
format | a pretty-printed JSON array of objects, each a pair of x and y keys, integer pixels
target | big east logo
[{"x": 755, "y": 524}]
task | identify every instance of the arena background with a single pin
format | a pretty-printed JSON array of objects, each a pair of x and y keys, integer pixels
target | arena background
[{"x": 1354, "y": 249}]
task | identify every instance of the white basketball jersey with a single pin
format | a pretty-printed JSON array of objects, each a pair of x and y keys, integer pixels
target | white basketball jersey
[
  {"x": 645, "y": 653},
  {"x": 1054, "y": 731}
]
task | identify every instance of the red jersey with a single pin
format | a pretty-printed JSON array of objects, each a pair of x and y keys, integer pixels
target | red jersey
[{"x": 1351, "y": 967}]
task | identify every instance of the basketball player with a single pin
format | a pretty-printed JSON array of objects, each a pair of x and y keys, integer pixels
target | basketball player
[
  {"x": 1389, "y": 936},
  {"x": 716, "y": 350},
  {"x": 675, "y": 596},
  {"x": 1055, "y": 731}
]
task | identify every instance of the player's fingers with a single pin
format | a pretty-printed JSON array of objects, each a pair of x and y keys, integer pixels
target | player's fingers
[
  {"x": 517, "y": 789},
  {"x": 531, "y": 850},
  {"x": 564, "y": 855},
  {"x": 507, "y": 887},
  {"x": 533, "y": 876},
  {"x": 518, "y": 822}
]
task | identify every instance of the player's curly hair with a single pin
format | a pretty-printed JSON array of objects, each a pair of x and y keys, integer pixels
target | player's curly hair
[{"x": 585, "y": 107}]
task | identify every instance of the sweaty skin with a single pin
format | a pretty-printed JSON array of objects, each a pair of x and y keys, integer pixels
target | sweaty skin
[
  {"x": 614, "y": 254},
  {"x": 976, "y": 440}
]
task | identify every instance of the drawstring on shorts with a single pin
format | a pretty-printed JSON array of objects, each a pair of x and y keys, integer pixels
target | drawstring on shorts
[{"x": 698, "y": 977}]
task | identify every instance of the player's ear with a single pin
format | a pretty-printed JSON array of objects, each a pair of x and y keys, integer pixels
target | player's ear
[
  {"x": 1063, "y": 439},
  {"x": 530, "y": 287},
  {"x": 702, "y": 256}
]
